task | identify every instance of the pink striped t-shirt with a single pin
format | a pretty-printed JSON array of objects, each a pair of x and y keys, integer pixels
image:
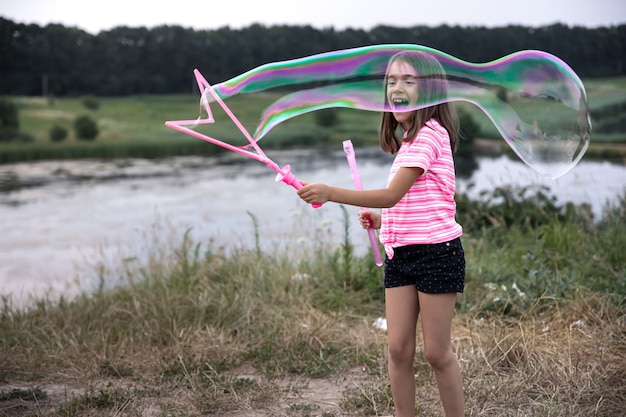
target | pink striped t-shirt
[{"x": 426, "y": 213}]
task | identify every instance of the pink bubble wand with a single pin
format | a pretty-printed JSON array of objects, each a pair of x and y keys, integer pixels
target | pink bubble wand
[
  {"x": 354, "y": 170},
  {"x": 283, "y": 174}
]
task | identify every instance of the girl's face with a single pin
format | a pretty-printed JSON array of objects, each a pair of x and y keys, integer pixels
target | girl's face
[{"x": 402, "y": 90}]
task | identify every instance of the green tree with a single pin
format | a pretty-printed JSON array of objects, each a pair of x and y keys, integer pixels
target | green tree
[{"x": 66, "y": 61}]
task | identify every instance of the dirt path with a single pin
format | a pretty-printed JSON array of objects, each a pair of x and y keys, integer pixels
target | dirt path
[{"x": 286, "y": 397}]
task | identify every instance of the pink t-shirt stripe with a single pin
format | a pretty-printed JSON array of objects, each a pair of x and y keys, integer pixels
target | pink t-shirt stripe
[{"x": 426, "y": 213}]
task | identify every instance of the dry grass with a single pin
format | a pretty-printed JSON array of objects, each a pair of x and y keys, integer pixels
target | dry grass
[{"x": 569, "y": 361}]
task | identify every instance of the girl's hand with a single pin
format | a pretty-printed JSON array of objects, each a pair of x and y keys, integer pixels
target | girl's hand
[
  {"x": 315, "y": 193},
  {"x": 369, "y": 219}
]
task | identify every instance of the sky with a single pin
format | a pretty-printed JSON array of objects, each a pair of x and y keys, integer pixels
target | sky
[{"x": 98, "y": 15}]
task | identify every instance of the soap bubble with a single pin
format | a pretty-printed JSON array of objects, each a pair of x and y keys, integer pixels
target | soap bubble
[{"x": 534, "y": 99}]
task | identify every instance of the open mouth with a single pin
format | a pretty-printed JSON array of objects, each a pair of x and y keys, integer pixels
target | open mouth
[{"x": 399, "y": 104}]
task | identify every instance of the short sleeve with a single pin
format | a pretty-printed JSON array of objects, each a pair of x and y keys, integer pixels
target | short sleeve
[{"x": 424, "y": 150}]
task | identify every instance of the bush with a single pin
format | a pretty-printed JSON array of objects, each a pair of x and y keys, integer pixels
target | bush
[
  {"x": 14, "y": 135},
  {"x": 58, "y": 133},
  {"x": 326, "y": 117},
  {"x": 9, "y": 115},
  {"x": 502, "y": 94},
  {"x": 85, "y": 128},
  {"x": 8, "y": 134},
  {"x": 91, "y": 103},
  {"x": 469, "y": 127}
]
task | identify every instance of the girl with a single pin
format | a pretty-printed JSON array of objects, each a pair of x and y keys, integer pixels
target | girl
[{"x": 425, "y": 263}]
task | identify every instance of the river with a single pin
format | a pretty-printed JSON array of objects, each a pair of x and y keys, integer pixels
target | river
[{"x": 76, "y": 221}]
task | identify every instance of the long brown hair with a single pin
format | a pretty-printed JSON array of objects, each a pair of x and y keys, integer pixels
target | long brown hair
[{"x": 432, "y": 88}]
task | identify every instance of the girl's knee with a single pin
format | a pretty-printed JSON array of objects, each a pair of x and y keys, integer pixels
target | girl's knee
[
  {"x": 401, "y": 352},
  {"x": 439, "y": 356}
]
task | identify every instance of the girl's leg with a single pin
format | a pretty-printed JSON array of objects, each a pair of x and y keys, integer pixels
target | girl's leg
[
  {"x": 437, "y": 311},
  {"x": 402, "y": 308}
]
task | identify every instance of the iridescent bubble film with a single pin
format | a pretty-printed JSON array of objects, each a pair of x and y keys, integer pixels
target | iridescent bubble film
[{"x": 534, "y": 99}]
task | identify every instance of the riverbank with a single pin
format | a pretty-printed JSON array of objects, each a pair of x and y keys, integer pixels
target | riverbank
[
  {"x": 73, "y": 221},
  {"x": 613, "y": 152},
  {"x": 27, "y": 174}
]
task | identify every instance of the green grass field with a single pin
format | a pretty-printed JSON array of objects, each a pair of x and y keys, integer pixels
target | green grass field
[
  {"x": 134, "y": 126},
  {"x": 601, "y": 94}
]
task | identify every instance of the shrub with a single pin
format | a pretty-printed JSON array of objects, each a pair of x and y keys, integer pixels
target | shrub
[
  {"x": 14, "y": 135},
  {"x": 326, "y": 118},
  {"x": 7, "y": 134},
  {"x": 85, "y": 128},
  {"x": 469, "y": 127},
  {"x": 8, "y": 115},
  {"x": 502, "y": 95},
  {"x": 58, "y": 133},
  {"x": 91, "y": 103}
]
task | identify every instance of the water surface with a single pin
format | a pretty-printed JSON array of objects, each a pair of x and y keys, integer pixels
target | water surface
[{"x": 86, "y": 218}]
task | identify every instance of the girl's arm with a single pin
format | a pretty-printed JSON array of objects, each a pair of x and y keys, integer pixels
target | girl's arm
[{"x": 382, "y": 198}]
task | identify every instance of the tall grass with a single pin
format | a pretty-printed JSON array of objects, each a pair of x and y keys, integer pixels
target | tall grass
[{"x": 196, "y": 330}]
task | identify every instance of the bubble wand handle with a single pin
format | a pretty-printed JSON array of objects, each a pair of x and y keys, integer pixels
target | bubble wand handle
[
  {"x": 285, "y": 175},
  {"x": 348, "y": 149}
]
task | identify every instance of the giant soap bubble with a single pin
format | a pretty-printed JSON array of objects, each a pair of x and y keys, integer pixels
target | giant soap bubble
[{"x": 534, "y": 99}]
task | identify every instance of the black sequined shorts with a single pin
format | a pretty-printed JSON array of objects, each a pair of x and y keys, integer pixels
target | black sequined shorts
[{"x": 434, "y": 268}]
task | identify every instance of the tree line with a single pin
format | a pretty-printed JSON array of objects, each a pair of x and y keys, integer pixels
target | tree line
[{"x": 56, "y": 60}]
